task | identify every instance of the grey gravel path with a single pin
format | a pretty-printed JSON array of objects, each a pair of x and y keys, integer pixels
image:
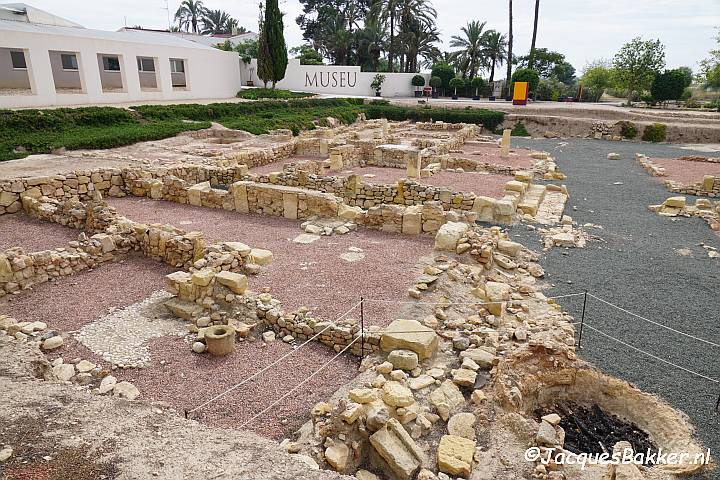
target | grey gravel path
[{"x": 638, "y": 268}]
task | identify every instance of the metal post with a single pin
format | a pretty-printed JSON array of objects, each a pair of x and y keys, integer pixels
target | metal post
[
  {"x": 186, "y": 414},
  {"x": 717, "y": 404},
  {"x": 362, "y": 329},
  {"x": 582, "y": 320}
]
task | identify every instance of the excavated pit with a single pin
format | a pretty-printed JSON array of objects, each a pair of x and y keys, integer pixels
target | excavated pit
[
  {"x": 544, "y": 384},
  {"x": 590, "y": 429}
]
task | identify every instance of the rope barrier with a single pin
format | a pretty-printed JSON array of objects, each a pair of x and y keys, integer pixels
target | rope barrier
[
  {"x": 267, "y": 367},
  {"x": 708, "y": 342},
  {"x": 651, "y": 355},
  {"x": 377, "y": 300},
  {"x": 300, "y": 384}
]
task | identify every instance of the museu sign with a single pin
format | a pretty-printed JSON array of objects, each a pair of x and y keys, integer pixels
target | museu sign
[{"x": 331, "y": 79}]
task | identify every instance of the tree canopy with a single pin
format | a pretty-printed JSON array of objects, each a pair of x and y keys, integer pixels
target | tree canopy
[
  {"x": 637, "y": 63},
  {"x": 272, "y": 52}
]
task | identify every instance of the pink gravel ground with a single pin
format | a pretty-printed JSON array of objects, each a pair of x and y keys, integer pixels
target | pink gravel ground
[
  {"x": 20, "y": 230},
  {"x": 311, "y": 275},
  {"x": 278, "y": 165},
  {"x": 188, "y": 380},
  {"x": 488, "y": 185},
  {"x": 519, "y": 157},
  {"x": 684, "y": 171},
  {"x": 70, "y": 302}
]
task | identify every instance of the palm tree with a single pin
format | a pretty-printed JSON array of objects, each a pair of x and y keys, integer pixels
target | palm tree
[
  {"x": 495, "y": 50},
  {"x": 189, "y": 14},
  {"x": 371, "y": 42},
  {"x": 472, "y": 46},
  {"x": 509, "y": 50},
  {"x": 531, "y": 60},
  {"x": 217, "y": 21},
  {"x": 403, "y": 13}
]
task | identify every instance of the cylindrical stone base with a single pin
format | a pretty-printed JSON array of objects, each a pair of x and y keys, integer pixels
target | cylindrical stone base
[{"x": 220, "y": 340}]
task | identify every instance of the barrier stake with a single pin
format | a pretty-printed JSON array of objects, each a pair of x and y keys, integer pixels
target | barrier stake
[{"x": 582, "y": 320}]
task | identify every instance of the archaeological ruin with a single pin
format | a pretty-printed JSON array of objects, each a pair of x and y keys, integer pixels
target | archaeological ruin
[{"x": 351, "y": 300}]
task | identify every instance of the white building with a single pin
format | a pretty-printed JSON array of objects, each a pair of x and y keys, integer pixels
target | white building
[
  {"x": 209, "y": 40},
  {"x": 49, "y": 61}
]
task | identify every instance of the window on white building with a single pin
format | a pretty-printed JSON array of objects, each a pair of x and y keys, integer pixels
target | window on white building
[
  {"x": 177, "y": 65},
  {"x": 146, "y": 64},
  {"x": 18, "y": 59},
  {"x": 69, "y": 61},
  {"x": 111, "y": 63}
]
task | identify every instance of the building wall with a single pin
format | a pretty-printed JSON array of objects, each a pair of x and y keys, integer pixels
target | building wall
[
  {"x": 211, "y": 73},
  {"x": 331, "y": 79},
  {"x": 9, "y": 77}
]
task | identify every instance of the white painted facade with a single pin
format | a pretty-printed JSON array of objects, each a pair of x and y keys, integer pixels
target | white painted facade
[
  {"x": 335, "y": 80},
  {"x": 208, "y": 73}
]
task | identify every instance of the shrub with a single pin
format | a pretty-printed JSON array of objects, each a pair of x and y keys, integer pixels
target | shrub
[
  {"x": 519, "y": 130},
  {"x": 489, "y": 119},
  {"x": 656, "y": 132},
  {"x": 627, "y": 129},
  {"x": 456, "y": 83},
  {"x": 445, "y": 72},
  {"x": 435, "y": 82},
  {"x": 479, "y": 85},
  {"x": 256, "y": 93},
  {"x": 526, "y": 75},
  {"x": 377, "y": 82},
  {"x": 418, "y": 81}
]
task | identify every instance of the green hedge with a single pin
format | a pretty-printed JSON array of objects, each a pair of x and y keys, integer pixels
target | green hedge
[
  {"x": 656, "y": 132},
  {"x": 258, "y": 93},
  {"x": 490, "y": 119}
]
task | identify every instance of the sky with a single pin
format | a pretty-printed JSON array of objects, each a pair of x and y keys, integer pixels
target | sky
[{"x": 583, "y": 31}]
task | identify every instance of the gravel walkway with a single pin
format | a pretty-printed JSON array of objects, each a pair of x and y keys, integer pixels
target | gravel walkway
[
  {"x": 639, "y": 269},
  {"x": 19, "y": 230},
  {"x": 684, "y": 171},
  {"x": 312, "y": 275},
  {"x": 71, "y": 302}
]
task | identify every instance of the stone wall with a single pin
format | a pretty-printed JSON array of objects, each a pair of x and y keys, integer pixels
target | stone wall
[{"x": 709, "y": 186}]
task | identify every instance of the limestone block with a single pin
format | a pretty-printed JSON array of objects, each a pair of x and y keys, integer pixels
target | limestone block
[
  {"x": 410, "y": 335},
  {"x": 106, "y": 242},
  {"x": 290, "y": 205},
  {"x": 337, "y": 456},
  {"x": 462, "y": 425},
  {"x": 675, "y": 202},
  {"x": 236, "y": 282},
  {"x": 482, "y": 357},
  {"x": 398, "y": 450},
  {"x": 449, "y": 235},
  {"x": 515, "y": 186},
  {"x": 708, "y": 182},
  {"x": 184, "y": 309},
  {"x": 196, "y": 191},
  {"x": 403, "y": 359},
  {"x": 239, "y": 192},
  {"x": 336, "y": 161},
  {"x": 412, "y": 220},
  {"x": 261, "y": 256},
  {"x": 203, "y": 277},
  {"x": 7, "y": 198},
  {"x": 455, "y": 455},
  {"x": 505, "y": 143},
  {"x": 397, "y": 395},
  {"x": 239, "y": 247},
  {"x": 446, "y": 397},
  {"x": 413, "y": 165},
  {"x": 156, "y": 189}
]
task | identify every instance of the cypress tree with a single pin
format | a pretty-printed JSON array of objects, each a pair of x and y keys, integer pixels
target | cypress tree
[
  {"x": 272, "y": 51},
  {"x": 264, "y": 64}
]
